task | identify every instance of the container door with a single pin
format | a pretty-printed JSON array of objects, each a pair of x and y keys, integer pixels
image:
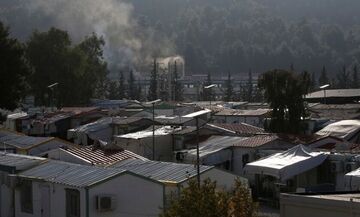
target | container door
[{"x": 45, "y": 200}]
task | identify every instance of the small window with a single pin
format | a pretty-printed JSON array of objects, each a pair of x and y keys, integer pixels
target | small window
[
  {"x": 26, "y": 197},
  {"x": 72, "y": 203}
]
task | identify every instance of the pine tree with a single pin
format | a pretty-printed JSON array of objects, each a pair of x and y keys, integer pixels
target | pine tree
[
  {"x": 343, "y": 78},
  {"x": 208, "y": 93},
  {"x": 178, "y": 87},
  {"x": 250, "y": 87},
  {"x": 153, "y": 83},
  {"x": 313, "y": 82},
  {"x": 323, "y": 79},
  {"x": 139, "y": 93},
  {"x": 131, "y": 86},
  {"x": 355, "y": 78},
  {"x": 229, "y": 92},
  {"x": 292, "y": 68},
  {"x": 121, "y": 86},
  {"x": 112, "y": 90}
]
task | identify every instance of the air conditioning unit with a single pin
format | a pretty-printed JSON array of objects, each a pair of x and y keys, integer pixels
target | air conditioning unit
[
  {"x": 350, "y": 166},
  {"x": 336, "y": 166},
  {"x": 105, "y": 203}
]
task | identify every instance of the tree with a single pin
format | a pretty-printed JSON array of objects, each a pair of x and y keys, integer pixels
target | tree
[
  {"x": 355, "y": 78},
  {"x": 139, "y": 93},
  {"x": 229, "y": 92},
  {"x": 113, "y": 92},
  {"x": 323, "y": 79},
  {"x": 48, "y": 54},
  {"x": 94, "y": 71},
  {"x": 284, "y": 91},
  {"x": 178, "y": 87},
  {"x": 208, "y": 93},
  {"x": 13, "y": 70},
  {"x": 313, "y": 82},
  {"x": 343, "y": 78},
  {"x": 131, "y": 86},
  {"x": 80, "y": 70},
  {"x": 153, "y": 83},
  {"x": 209, "y": 201},
  {"x": 121, "y": 87},
  {"x": 250, "y": 87}
]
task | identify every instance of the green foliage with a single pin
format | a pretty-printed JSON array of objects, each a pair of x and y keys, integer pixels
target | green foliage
[
  {"x": 229, "y": 91},
  {"x": 131, "y": 86},
  {"x": 343, "y": 78},
  {"x": 121, "y": 86},
  {"x": 80, "y": 70},
  {"x": 13, "y": 70},
  {"x": 323, "y": 79},
  {"x": 178, "y": 87},
  {"x": 250, "y": 88},
  {"x": 355, "y": 77},
  {"x": 284, "y": 91},
  {"x": 153, "y": 83},
  {"x": 208, "y": 94},
  {"x": 209, "y": 201},
  {"x": 113, "y": 90}
]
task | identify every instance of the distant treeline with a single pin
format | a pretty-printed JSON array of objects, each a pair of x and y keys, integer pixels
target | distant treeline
[{"x": 238, "y": 35}]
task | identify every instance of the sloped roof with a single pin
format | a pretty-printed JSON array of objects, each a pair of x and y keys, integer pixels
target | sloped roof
[
  {"x": 241, "y": 128},
  {"x": 256, "y": 141},
  {"x": 159, "y": 131},
  {"x": 344, "y": 129},
  {"x": 25, "y": 142},
  {"x": 103, "y": 157},
  {"x": 79, "y": 110},
  {"x": 128, "y": 120},
  {"x": 288, "y": 163},
  {"x": 240, "y": 112},
  {"x": 161, "y": 171},
  {"x": 334, "y": 93},
  {"x": 21, "y": 141},
  {"x": 215, "y": 144},
  {"x": 19, "y": 162},
  {"x": 70, "y": 174},
  {"x": 177, "y": 120}
]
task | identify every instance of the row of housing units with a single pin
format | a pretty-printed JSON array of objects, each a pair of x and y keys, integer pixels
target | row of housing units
[{"x": 100, "y": 160}]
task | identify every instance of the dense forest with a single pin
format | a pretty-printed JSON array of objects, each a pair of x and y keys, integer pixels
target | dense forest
[{"x": 228, "y": 35}]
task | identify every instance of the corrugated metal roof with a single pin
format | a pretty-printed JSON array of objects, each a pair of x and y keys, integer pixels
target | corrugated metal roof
[
  {"x": 4, "y": 133},
  {"x": 129, "y": 120},
  {"x": 25, "y": 142},
  {"x": 103, "y": 157},
  {"x": 238, "y": 112},
  {"x": 161, "y": 171},
  {"x": 177, "y": 120},
  {"x": 70, "y": 174},
  {"x": 19, "y": 162},
  {"x": 79, "y": 110},
  {"x": 334, "y": 93}
]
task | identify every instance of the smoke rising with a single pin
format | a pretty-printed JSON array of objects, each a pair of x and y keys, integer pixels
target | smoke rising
[{"x": 127, "y": 43}]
